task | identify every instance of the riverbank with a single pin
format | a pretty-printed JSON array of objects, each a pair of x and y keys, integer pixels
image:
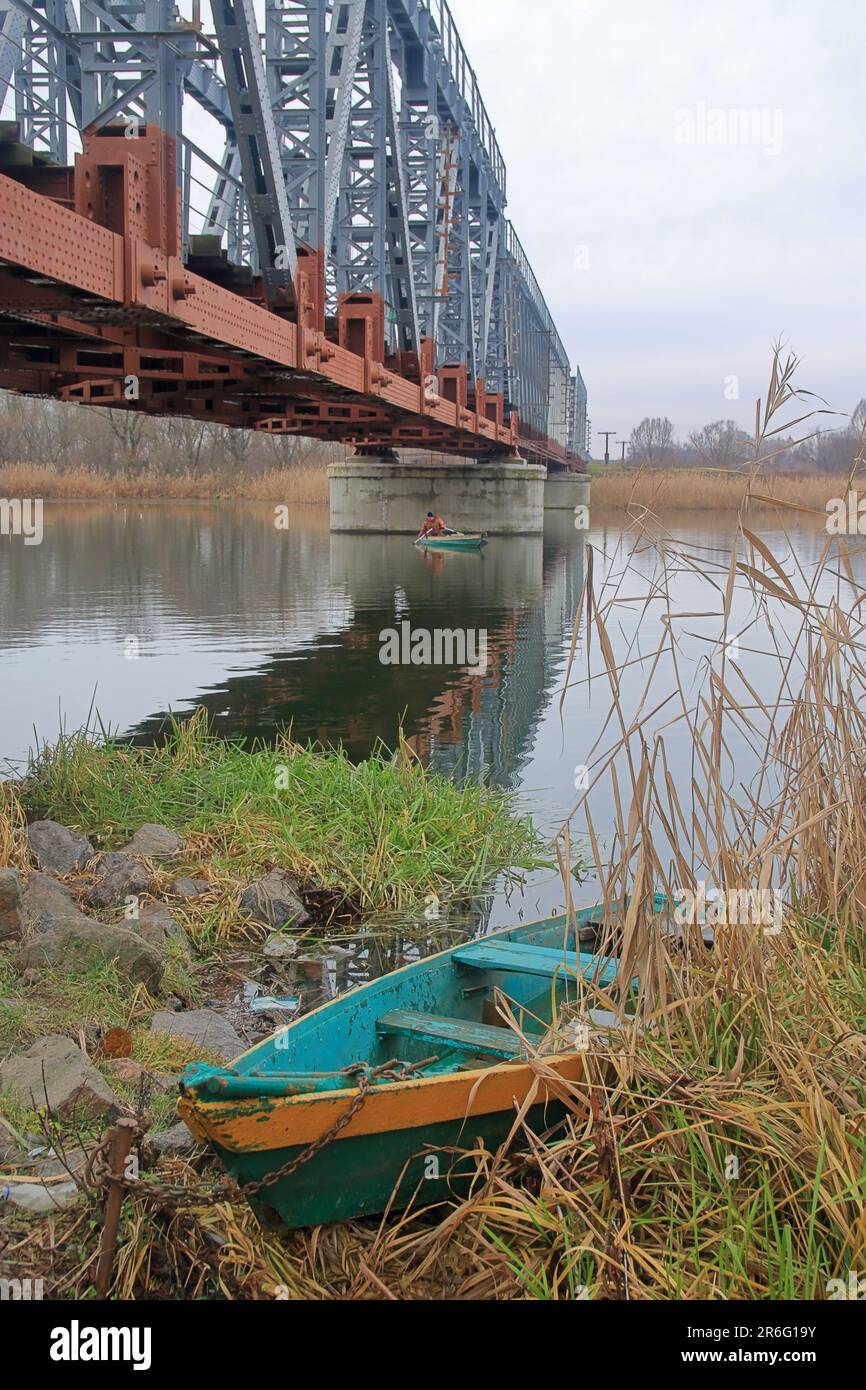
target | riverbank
[
  {"x": 297, "y": 485},
  {"x": 148, "y": 899},
  {"x": 666, "y": 491},
  {"x": 659, "y": 490}
]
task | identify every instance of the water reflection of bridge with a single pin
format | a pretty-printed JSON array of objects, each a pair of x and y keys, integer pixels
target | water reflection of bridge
[
  {"x": 332, "y": 688},
  {"x": 491, "y": 725}
]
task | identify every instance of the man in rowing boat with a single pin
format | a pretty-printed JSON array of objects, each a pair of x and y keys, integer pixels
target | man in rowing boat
[{"x": 433, "y": 526}]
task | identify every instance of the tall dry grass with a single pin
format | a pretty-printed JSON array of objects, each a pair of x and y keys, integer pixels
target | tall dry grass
[
  {"x": 299, "y": 485},
  {"x": 664, "y": 490},
  {"x": 716, "y": 1148}
]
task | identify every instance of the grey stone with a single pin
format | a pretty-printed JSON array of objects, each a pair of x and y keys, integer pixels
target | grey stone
[
  {"x": 74, "y": 1160},
  {"x": 204, "y": 1027},
  {"x": 118, "y": 876},
  {"x": 176, "y": 1142},
  {"x": 156, "y": 925},
  {"x": 80, "y": 943},
  {"x": 11, "y": 917},
  {"x": 56, "y": 1068},
  {"x": 188, "y": 889},
  {"x": 155, "y": 842},
  {"x": 275, "y": 901},
  {"x": 49, "y": 904},
  {"x": 56, "y": 849}
]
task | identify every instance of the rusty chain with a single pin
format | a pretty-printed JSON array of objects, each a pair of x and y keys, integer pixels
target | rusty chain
[{"x": 98, "y": 1172}]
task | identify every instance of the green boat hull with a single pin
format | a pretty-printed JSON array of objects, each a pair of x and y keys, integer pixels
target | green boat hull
[
  {"x": 452, "y": 542},
  {"x": 356, "y": 1177}
]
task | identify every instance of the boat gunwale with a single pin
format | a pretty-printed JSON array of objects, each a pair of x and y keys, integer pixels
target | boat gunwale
[
  {"x": 221, "y": 1114},
  {"x": 242, "y": 1108}
]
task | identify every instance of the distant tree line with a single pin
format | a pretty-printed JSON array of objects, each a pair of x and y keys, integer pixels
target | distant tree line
[
  {"x": 122, "y": 442},
  {"x": 723, "y": 444}
]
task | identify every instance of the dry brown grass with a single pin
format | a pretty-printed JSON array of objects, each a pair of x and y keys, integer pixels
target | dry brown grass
[
  {"x": 299, "y": 485},
  {"x": 665, "y": 490}
]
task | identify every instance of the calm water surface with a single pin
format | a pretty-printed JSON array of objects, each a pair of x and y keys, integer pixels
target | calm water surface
[{"x": 135, "y": 609}]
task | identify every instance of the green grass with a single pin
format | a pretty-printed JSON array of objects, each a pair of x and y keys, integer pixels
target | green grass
[
  {"x": 384, "y": 832},
  {"x": 64, "y": 1002}
]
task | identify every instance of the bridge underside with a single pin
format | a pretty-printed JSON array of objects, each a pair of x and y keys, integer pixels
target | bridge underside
[{"x": 97, "y": 306}]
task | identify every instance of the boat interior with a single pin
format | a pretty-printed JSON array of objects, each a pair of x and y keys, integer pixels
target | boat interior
[{"x": 481, "y": 1004}]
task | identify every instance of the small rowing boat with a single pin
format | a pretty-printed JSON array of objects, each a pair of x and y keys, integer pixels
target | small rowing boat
[
  {"x": 369, "y": 1100},
  {"x": 455, "y": 541}
]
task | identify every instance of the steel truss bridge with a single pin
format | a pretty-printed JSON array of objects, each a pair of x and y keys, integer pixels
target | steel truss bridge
[{"x": 302, "y": 232}]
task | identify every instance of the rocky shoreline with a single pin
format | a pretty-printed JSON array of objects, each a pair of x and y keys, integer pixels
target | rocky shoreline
[{"x": 78, "y": 909}]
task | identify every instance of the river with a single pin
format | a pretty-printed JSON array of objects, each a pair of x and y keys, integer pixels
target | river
[{"x": 131, "y": 610}]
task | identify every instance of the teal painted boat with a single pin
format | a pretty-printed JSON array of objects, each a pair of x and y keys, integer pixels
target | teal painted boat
[
  {"x": 456, "y": 541},
  {"x": 372, "y": 1100}
]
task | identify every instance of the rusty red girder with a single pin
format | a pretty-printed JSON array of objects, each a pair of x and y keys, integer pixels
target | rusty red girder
[{"x": 94, "y": 294}]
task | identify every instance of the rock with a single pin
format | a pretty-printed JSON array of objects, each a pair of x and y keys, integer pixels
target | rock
[
  {"x": 80, "y": 943},
  {"x": 118, "y": 876},
  {"x": 48, "y": 904},
  {"x": 132, "y": 1073},
  {"x": 13, "y": 1149},
  {"x": 275, "y": 901},
  {"x": 55, "y": 1067},
  {"x": 56, "y": 849},
  {"x": 204, "y": 1027},
  {"x": 74, "y": 1160},
  {"x": 176, "y": 1142},
  {"x": 157, "y": 926},
  {"x": 156, "y": 842},
  {"x": 280, "y": 949},
  {"x": 125, "y": 1069},
  {"x": 189, "y": 888},
  {"x": 11, "y": 918}
]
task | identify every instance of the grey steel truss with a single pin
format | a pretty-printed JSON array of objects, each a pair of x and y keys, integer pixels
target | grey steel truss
[{"x": 353, "y": 127}]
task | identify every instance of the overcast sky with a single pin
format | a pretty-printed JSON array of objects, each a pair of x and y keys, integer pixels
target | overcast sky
[{"x": 672, "y": 261}]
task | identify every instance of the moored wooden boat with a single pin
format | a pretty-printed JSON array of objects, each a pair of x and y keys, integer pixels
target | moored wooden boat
[
  {"x": 368, "y": 1099},
  {"x": 456, "y": 541}
]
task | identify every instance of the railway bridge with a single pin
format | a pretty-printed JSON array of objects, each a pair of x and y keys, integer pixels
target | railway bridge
[{"x": 289, "y": 216}]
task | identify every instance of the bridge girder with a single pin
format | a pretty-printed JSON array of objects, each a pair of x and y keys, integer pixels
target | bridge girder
[{"x": 360, "y": 193}]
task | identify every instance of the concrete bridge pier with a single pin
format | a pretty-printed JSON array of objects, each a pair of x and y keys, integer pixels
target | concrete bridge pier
[
  {"x": 565, "y": 491},
  {"x": 381, "y": 495}
]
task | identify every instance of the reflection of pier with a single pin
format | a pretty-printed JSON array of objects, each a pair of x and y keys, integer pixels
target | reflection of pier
[
  {"x": 333, "y": 688},
  {"x": 497, "y": 727}
]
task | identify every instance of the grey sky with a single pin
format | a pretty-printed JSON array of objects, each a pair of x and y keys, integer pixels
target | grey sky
[{"x": 699, "y": 254}]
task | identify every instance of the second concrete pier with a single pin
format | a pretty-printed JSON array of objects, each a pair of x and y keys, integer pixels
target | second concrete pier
[{"x": 385, "y": 496}]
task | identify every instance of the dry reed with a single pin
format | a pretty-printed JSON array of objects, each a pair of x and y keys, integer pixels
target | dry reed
[
  {"x": 298, "y": 485},
  {"x": 663, "y": 490}
]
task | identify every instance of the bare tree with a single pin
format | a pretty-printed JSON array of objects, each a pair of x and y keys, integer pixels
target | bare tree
[
  {"x": 129, "y": 428},
  {"x": 179, "y": 443},
  {"x": 652, "y": 441},
  {"x": 721, "y": 445}
]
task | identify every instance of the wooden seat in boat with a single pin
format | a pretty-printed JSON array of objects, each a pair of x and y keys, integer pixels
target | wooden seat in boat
[
  {"x": 477, "y": 1039},
  {"x": 543, "y": 961}
]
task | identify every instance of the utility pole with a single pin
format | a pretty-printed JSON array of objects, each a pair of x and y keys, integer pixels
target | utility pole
[
  {"x": 608, "y": 436},
  {"x": 624, "y": 447}
]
